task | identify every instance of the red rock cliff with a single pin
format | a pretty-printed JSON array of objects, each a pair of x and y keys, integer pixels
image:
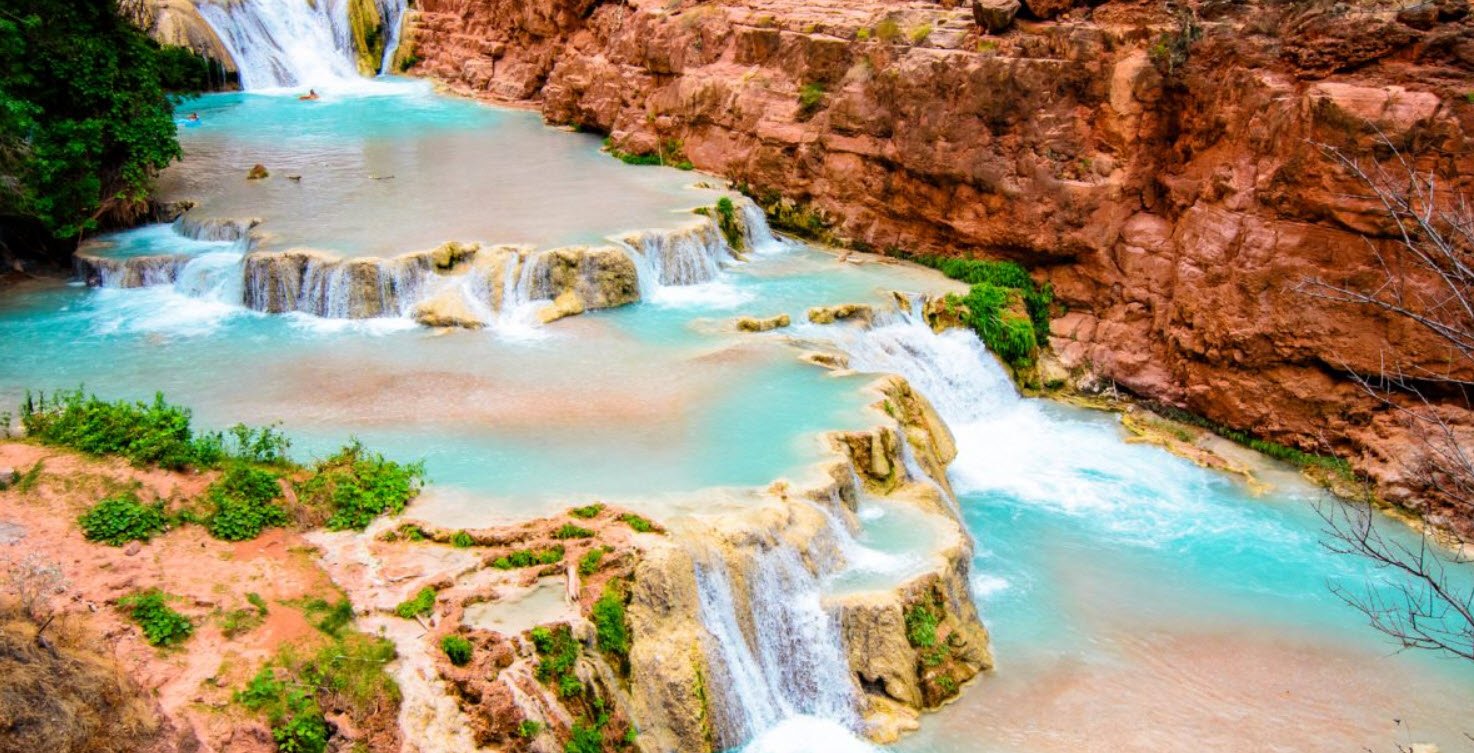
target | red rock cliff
[{"x": 1158, "y": 166}]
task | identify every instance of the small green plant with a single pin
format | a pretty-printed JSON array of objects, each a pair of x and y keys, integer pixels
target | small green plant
[
  {"x": 356, "y": 486},
  {"x": 557, "y": 652},
  {"x": 587, "y": 511},
  {"x": 457, "y": 649},
  {"x": 641, "y": 525},
  {"x": 162, "y": 626},
  {"x": 810, "y": 96},
  {"x": 921, "y": 625},
  {"x": 727, "y": 222},
  {"x": 243, "y": 501},
  {"x": 121, "y": 519},
  {"x": 1469, "y": 97},
  {"x": 462, "y": 540},
  {"x": 862, "y": 34},
  {"x": 239, "y": 621},
  {"x": 529, "y": 558},
  {"x": 610, "y": 626},
  {"x": 947, "y": 684},
  {"x": 987, "y": 45},
  {"x": 584, "y": 738},
  {"x": 571, "y": 531},
  {"x": 588, "y": 564},
  {"x": 26, "y": 482},
  {"x": 888, "y": 30},
  {"x": 331, "y": 617},
  {"x": 528, "y": 728},
  {"x": 347, "y": 673},
  {"x": 920, "y": 33},
  {"x": 421, "y": 605},
  {"x": 255, "y": 600}
]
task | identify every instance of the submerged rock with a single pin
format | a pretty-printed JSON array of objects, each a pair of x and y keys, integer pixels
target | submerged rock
[
  {"x": 257, "y": 172},
  {"x": 754, "y": 324},
  {"x": 831, "y": 314},
  {"x": 449, "y": 309}
]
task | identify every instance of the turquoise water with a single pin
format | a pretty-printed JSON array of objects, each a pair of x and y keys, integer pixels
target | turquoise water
[{"x": 395, "y": 168}]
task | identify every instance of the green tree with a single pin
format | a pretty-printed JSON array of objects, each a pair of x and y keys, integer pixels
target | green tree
[{"x": 85, "y": 125}]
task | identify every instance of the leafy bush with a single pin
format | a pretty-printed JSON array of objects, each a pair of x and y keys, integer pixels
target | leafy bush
[
  {"x": 529, "y": 558},
  {"x": 571, "y": 531},
  {"x": 727, "y": 221},
  {"x": 557, "y": 652},
  {"x": 305, "y": 731},
  {"x": 154, "y": 433},
  {"x": 638, "y": 523},
  {"x": 162, "y": 626},
  {"x": 995, "y": 287},
  {"x": 457, "y": 649},
  {"x": 331, "y": 617},
  {"x": 921, "y": 626},
  {"x": 84, "y": 122},
  {"x": 422, "y": 604},
  {"x": 610, "y": 627},
  {"x": 584, "y": 738},
  {"x": 529, "y": 728},
  {"x": 121, "y": 519},
  {"x": 920, "y": 33},
  {"x": 810, "y": 96},
  {"x": 462, "y": 540},
  {"x": 243, "y": 504},
  {"x": 587, "y": 511},
  {"x": 888, "y": 30},
  {"x": 262, "y": 446},
  {"x": 588, "y": 564},
  {"x": 347, "y": 674},
  {"x": 358, "y": 486}
]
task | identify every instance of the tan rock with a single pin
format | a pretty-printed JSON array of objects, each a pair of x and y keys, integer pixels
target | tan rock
[
  {"x": 257, "y": 172},
  {"x": 754, "y": 324},
  {"x": 449, "y": 309},
  {"x": 831, "y": 314},
  {"x": 568, "y": 303}
]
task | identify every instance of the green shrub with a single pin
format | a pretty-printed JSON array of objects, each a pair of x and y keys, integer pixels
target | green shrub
[
  {"x": 638, "y": 523},
  {"x": 238, "y": 621},
  {"x": 145, "y": 433},
  {"x": 462, "y": 540},
  {"x": 121, "y": 519},
  {"x": 357, "y": 486},
  {"x": 920, "y": 33},
  {"x": 306, "y": 731},
  {"x": 995, "y": 287},
  {"x": 727, "y": 222},
  {"x": 888, "y": 30},
  {"x": 422, "y": 604},
  {"x": 587, "y": 511},
  {"x": 921, "y": 626},
  {"x": 810, "y": 96},
  {"x": 584, "y": 738},
  {"x": 529, "y": 728},
  {"x": 330, "y": 617},
  {"x": 26, "y": 482},
  {"x": 256, "y": 601},
  {"x": 162, "y": 626},
  {"x": 610, "y": 627},
  {"x": 263, "y": 446},
  {"x": 348, "y": 674},
  {"x": 571, "y": 531},
  {"x": 557, "y": 652},
  {"x": 457, "y": 649},
  {"x": 243, "y": 504},
  {"x": 529, "y": 558},
  {"x": 588, "y": 564}
]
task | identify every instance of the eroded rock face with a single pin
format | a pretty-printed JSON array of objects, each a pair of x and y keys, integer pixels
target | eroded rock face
[
  {"x": 1163, "y": 175},
  {"x": 177, "y": 23}
]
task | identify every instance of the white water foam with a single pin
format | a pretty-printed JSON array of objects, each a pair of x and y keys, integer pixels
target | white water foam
[{"x": 294, "y": 44}]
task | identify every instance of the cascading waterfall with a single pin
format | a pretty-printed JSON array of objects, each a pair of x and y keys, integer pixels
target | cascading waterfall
[
  {"x": 792, "y": 664},
  {"x": 689, "y": 256},
  {"x": 294, "y": 43},
  {"x": 392, "y": 11}
]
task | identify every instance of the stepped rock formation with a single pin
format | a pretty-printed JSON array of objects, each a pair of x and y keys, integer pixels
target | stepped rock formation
[
  {"x": 1159, "y": 167},
  {"x": 729, "y": 627}
]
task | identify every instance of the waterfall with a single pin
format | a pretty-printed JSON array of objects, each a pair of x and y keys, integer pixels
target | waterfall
[
  {"x": 392, "y": 12},
  {"x": 790, "y": 664},
  {"x": 688, "y": 256},
  {"x": 755, "y": 231},
  {"x": 295, "y": 43}
]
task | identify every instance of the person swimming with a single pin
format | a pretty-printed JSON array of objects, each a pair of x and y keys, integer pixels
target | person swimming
[
  {"x": 310, "y": 95},
  {"x": 194, "y": 117}
]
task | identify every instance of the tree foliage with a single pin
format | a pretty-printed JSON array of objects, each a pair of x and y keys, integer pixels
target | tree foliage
[{"x": 85, "y": 124}]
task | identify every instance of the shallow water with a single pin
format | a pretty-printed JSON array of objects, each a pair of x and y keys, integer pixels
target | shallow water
[{"x": 400, "y": 169}]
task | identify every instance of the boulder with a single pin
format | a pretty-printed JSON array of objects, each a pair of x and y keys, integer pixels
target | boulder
[
  {"x": 568, "y": 303},
  {"x": 994, "y": 16},
  {"x": 831, "y": 314},
  {"x": 449, "y": 309},
  {"x": 1047, "y": 9},
  {"x": 754, "y": 324},
  {"x": 1421, "y": 17}
]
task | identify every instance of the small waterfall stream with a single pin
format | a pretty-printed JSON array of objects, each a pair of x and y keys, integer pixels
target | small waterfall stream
[{"x": 792, "y": 664}]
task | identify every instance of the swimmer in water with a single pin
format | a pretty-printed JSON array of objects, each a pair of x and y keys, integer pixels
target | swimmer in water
[
  {"x": 310, "y": 95},
  {"x": 194, "y": 117}
]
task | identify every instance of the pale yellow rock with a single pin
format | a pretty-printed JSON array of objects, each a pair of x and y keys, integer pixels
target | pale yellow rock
[
  {"x": 449, "y": 309},
  {"x": 755, "y": 324},
  {"x": 568, "y": 303},
  {"x": 831, "y": 314}
]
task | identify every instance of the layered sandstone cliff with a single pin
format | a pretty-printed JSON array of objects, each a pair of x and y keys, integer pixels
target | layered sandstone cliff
[{"x": 1162, "y": 168}]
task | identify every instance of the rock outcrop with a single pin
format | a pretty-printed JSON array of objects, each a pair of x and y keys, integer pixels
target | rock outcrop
[
  {"x": 1161, "y": 168},
  {"x": 178, "y": 23}
]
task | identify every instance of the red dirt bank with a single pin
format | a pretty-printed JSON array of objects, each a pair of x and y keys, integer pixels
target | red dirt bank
[{"x": 1171, "y": 192}]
